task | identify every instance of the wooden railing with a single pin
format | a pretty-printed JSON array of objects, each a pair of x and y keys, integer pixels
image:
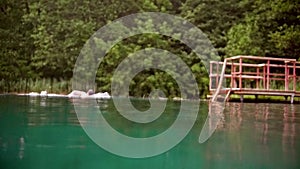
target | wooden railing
[{"x": 253, "y": 72}]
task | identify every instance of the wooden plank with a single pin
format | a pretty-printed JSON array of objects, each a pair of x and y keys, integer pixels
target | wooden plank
[
  {"x": 243, "y": 76},
  {"x": 260, "y": 58},
  {"x": 262, "y": 93},
  {"x": 251, "y": 77},
  {"x": 265, "y": 90},
  {"x": 255, "y": 65}
]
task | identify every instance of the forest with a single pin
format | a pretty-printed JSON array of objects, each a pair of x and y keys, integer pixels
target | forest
[{"x": 41, "y": 39}]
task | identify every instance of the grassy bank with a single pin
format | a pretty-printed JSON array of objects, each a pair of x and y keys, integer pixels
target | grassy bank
[{"x": 35, "y": 85}]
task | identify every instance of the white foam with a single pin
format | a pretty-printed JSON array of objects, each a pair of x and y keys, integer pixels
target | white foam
[
  {"x": 73, "y": 94},
  {"x": 33, "y": 94}
]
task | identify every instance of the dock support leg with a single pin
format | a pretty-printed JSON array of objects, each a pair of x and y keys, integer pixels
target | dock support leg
[
  {"x": 256, "y": 97},
  {"x": 242, "y": 98},
  {"x": 292, "y": 98},
  {"x": 227, "y": 96}
]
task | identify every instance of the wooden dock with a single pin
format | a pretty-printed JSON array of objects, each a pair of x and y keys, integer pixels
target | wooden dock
[{"x": 254, "y": 75}]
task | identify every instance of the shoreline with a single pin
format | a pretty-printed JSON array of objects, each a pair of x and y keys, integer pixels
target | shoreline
[
  {"x": 105, "y": 95},
  {"x": 99, "y": 95}
]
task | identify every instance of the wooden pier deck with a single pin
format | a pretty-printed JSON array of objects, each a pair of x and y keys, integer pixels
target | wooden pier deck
[{"x": 253, "y": 75}]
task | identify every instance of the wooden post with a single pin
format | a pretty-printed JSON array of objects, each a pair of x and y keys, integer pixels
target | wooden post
[
  {"x": 257, "y": 81},
  {"x": 210, "y": 75},
  {"x": 217, "y": 77},
  {"x": 240, "y": 73},
  {"x": 232, "y": 74},
  {"x": 268, "y": 74},
  {"x": 234, "y": 77},
  {"x": 264, "y": 77},
  {"x": 286, "y": 78},
  {"x": 294, "y": 76}
]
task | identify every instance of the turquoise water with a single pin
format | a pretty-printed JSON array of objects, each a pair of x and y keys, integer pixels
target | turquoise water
[{"x": 45, "y": 133}]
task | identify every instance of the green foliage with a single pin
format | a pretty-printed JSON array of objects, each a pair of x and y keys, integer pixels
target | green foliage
[
  {"x": 16, "y": 44},
  {"x": 215, "y": 18},
  {"x": 41, "y": 40},
  {"x": 271, "y": 29}
]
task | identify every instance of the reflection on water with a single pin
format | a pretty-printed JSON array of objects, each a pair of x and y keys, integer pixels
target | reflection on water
[
  {"x": 21, "y": 149},
  {"x": 45, "y": 133},
  {"x": 281, "y": 117},
  {"x": 49, "y": 111},
  {"x": 273, "y": 128},
  {"x": 214, "y": 120}
]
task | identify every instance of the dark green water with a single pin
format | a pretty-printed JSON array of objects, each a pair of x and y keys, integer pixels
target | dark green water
[{"x": 45, "y": 133}]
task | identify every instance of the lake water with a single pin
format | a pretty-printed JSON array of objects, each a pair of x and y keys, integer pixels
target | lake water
[{"x": 45, "y": 133}]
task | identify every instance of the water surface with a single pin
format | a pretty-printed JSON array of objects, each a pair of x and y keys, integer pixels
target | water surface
[{"x": 45, "y": 133}]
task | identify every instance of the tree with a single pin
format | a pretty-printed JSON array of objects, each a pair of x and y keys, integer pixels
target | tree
[
  {"x": 215, "y": 18},
  {"x": 272, "y": 29},
  {"x": 16, "y": 44}
]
